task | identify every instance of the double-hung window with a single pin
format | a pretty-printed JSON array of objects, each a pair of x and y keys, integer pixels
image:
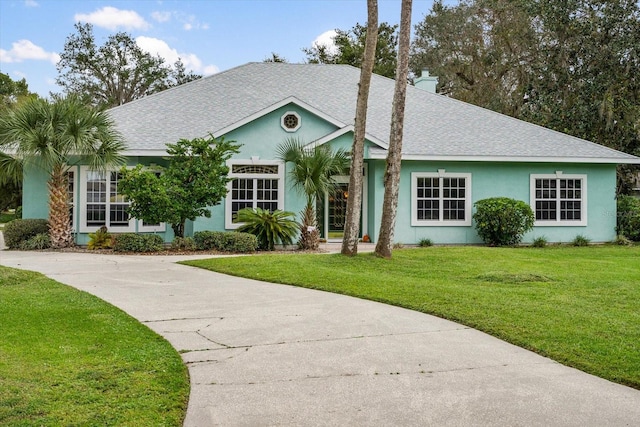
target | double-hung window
[
  {"x": 559, "y": 199},
  {"x": 440, "y": 198},
  {"x": 254, "y": 184},
  {"x": 100, "y": 202}
]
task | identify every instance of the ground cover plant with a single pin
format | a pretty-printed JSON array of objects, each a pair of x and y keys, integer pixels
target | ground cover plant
[
  {"x": 68, "y": 358},
  {"x": 576, "y": 305}
]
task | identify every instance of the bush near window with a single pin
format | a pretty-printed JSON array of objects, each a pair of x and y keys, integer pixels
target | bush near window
[
  {"x": 581, "y": 240},
  {"x": 21, "y": 230},
  {"x": 628, "y": 220},
  {"x": 183, "y": 244},
  {"x": 425, "y": 242},
  {"x": 101, "y": 239},
  {"x": 501, "y": 221},
  {"x": 225, "y": 241},
  {"x": 269, "y": 227},
  {"x": 39, "y": 241},
  {"x": 540, "y": 242},
  {"x": 132, "y": 242}
]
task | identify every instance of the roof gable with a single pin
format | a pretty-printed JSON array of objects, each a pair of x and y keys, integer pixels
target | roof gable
[{"x": 435, "y": 126}]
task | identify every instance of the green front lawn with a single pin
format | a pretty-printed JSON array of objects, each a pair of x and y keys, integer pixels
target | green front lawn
[
  {"x": 68, "y": 358},
  {"x": 579, "y": 306}
]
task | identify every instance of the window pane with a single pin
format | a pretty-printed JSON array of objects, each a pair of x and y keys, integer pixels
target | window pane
[
  {"x": 96, "y": 215},
  {"x": 118, "y": 216},
  {"x": 427, "y": 207}
]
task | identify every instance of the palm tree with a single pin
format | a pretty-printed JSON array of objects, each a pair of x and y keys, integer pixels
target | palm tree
[
  {"x": 49, "y": 135},
  {"x": 312, "y": 173}
]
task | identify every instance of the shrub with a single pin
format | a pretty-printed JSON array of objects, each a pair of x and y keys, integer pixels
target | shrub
[
  {"x": 132, "y": 242},
  {"x": 628, "y": 219},
  {"x": 581, "y": 240},
  {"x": 21, "y": 230},
  {"x": 269, "y": 227},
  {"x": 208, "y": 240},
  {"x": 39, "y": 241},
  {"x": 622, "y": 240},
  {"x": 502, "y": 221},
  {"x": 19, "y": 212},
  {"x": 539, "y": 242},
  {"x": 225, "y": 241},
  {"x": 183, "y": 244},
  {"x": 101, "y": 239},
  {"x": 242, "y": 242},
  {"x": 425, "y": 242}
]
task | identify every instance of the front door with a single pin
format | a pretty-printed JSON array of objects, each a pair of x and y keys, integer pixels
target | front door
[
  {"x": 337, "y": 206},
  {"x": 333, "y": 209}
]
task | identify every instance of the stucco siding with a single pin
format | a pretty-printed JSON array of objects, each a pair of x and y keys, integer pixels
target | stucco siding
[{"x": 509, "y": 180}]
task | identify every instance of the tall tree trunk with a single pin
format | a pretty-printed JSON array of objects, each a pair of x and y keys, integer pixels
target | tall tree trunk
[
  {"x": 59, "y": 223},
  {"x": 384, "y": 246},
  {"x": 354, "y": 202}
]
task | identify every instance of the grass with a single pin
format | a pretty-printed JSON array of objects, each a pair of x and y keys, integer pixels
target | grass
[
  {"x": 576, "y": 305},
  {"x": 68, "y": 358}
]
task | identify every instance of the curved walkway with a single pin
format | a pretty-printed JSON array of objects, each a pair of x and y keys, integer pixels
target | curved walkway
[{"x": 267, "y": 354}]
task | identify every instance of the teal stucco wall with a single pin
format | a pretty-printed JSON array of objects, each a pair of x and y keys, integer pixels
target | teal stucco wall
[
  {"x": 499, "y": 180},
  {"x": 259, "y": 140}
]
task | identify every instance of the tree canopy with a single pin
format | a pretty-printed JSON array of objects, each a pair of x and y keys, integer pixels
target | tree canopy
[
  {"x": 13, "y": 92},
  {"x": 350, "y": 45},
  {"x": 195, "y": 179},
  {"x": 115, "y": 73},
  {"x": 572, "y": 66}
]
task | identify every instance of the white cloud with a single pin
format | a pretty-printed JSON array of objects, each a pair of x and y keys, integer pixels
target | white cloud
[
  {"x": 25, "y": 50},
  {"x": 210, "y": 69},
  {"x": 189, "y": 22},
  {"x": 31, "y": 3},
  {"x": 161, "y": 16},
  {"x": 112, "y": 18},
  {"x": 190, "y": 60},
  {"x": 326, "y": 39}
]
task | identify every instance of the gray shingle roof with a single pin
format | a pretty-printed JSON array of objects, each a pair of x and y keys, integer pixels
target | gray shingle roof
[{"x": 435, "y": 126}]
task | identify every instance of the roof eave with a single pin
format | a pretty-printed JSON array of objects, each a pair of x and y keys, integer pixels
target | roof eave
[{"x": 510, "y": 159}]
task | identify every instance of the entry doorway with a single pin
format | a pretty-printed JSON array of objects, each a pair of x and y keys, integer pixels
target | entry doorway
[{"x": 333, "y": 210}]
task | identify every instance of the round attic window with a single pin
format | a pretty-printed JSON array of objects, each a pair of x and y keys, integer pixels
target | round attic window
[{"x": 290, "y": 121}]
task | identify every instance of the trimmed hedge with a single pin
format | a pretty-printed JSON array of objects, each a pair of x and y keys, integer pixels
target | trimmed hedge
[
  {"x": 225, "y": 241},
  {"x": 501, "y": 221},
  {"x": 20, "y": 230},
  {"x": 132, "y": 242}
]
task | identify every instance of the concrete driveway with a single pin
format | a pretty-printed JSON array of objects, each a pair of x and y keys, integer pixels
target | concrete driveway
[{"x": 267, "y": 354}]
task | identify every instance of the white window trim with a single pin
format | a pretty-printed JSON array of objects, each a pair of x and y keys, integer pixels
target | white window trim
[
  {"x": 290, "y": 113},
  {"x": 84, "y": 228},
  {"x": 228, "y": 219},
  {"x": 415, "y": 222},
  {"x": 156, "y": 228},
  {"x": 559, "y": 222},
  {"x": 74, "y": 197}
]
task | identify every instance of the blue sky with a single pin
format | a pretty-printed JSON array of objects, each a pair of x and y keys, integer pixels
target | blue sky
[{"x": 209, "y": 35}]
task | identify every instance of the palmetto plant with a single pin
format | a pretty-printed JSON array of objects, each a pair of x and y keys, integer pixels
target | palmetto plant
[
  {"x": 313, "y": 171},
  {"x": 49, "y": 135},
  {"x": 269, "y": 227}
]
